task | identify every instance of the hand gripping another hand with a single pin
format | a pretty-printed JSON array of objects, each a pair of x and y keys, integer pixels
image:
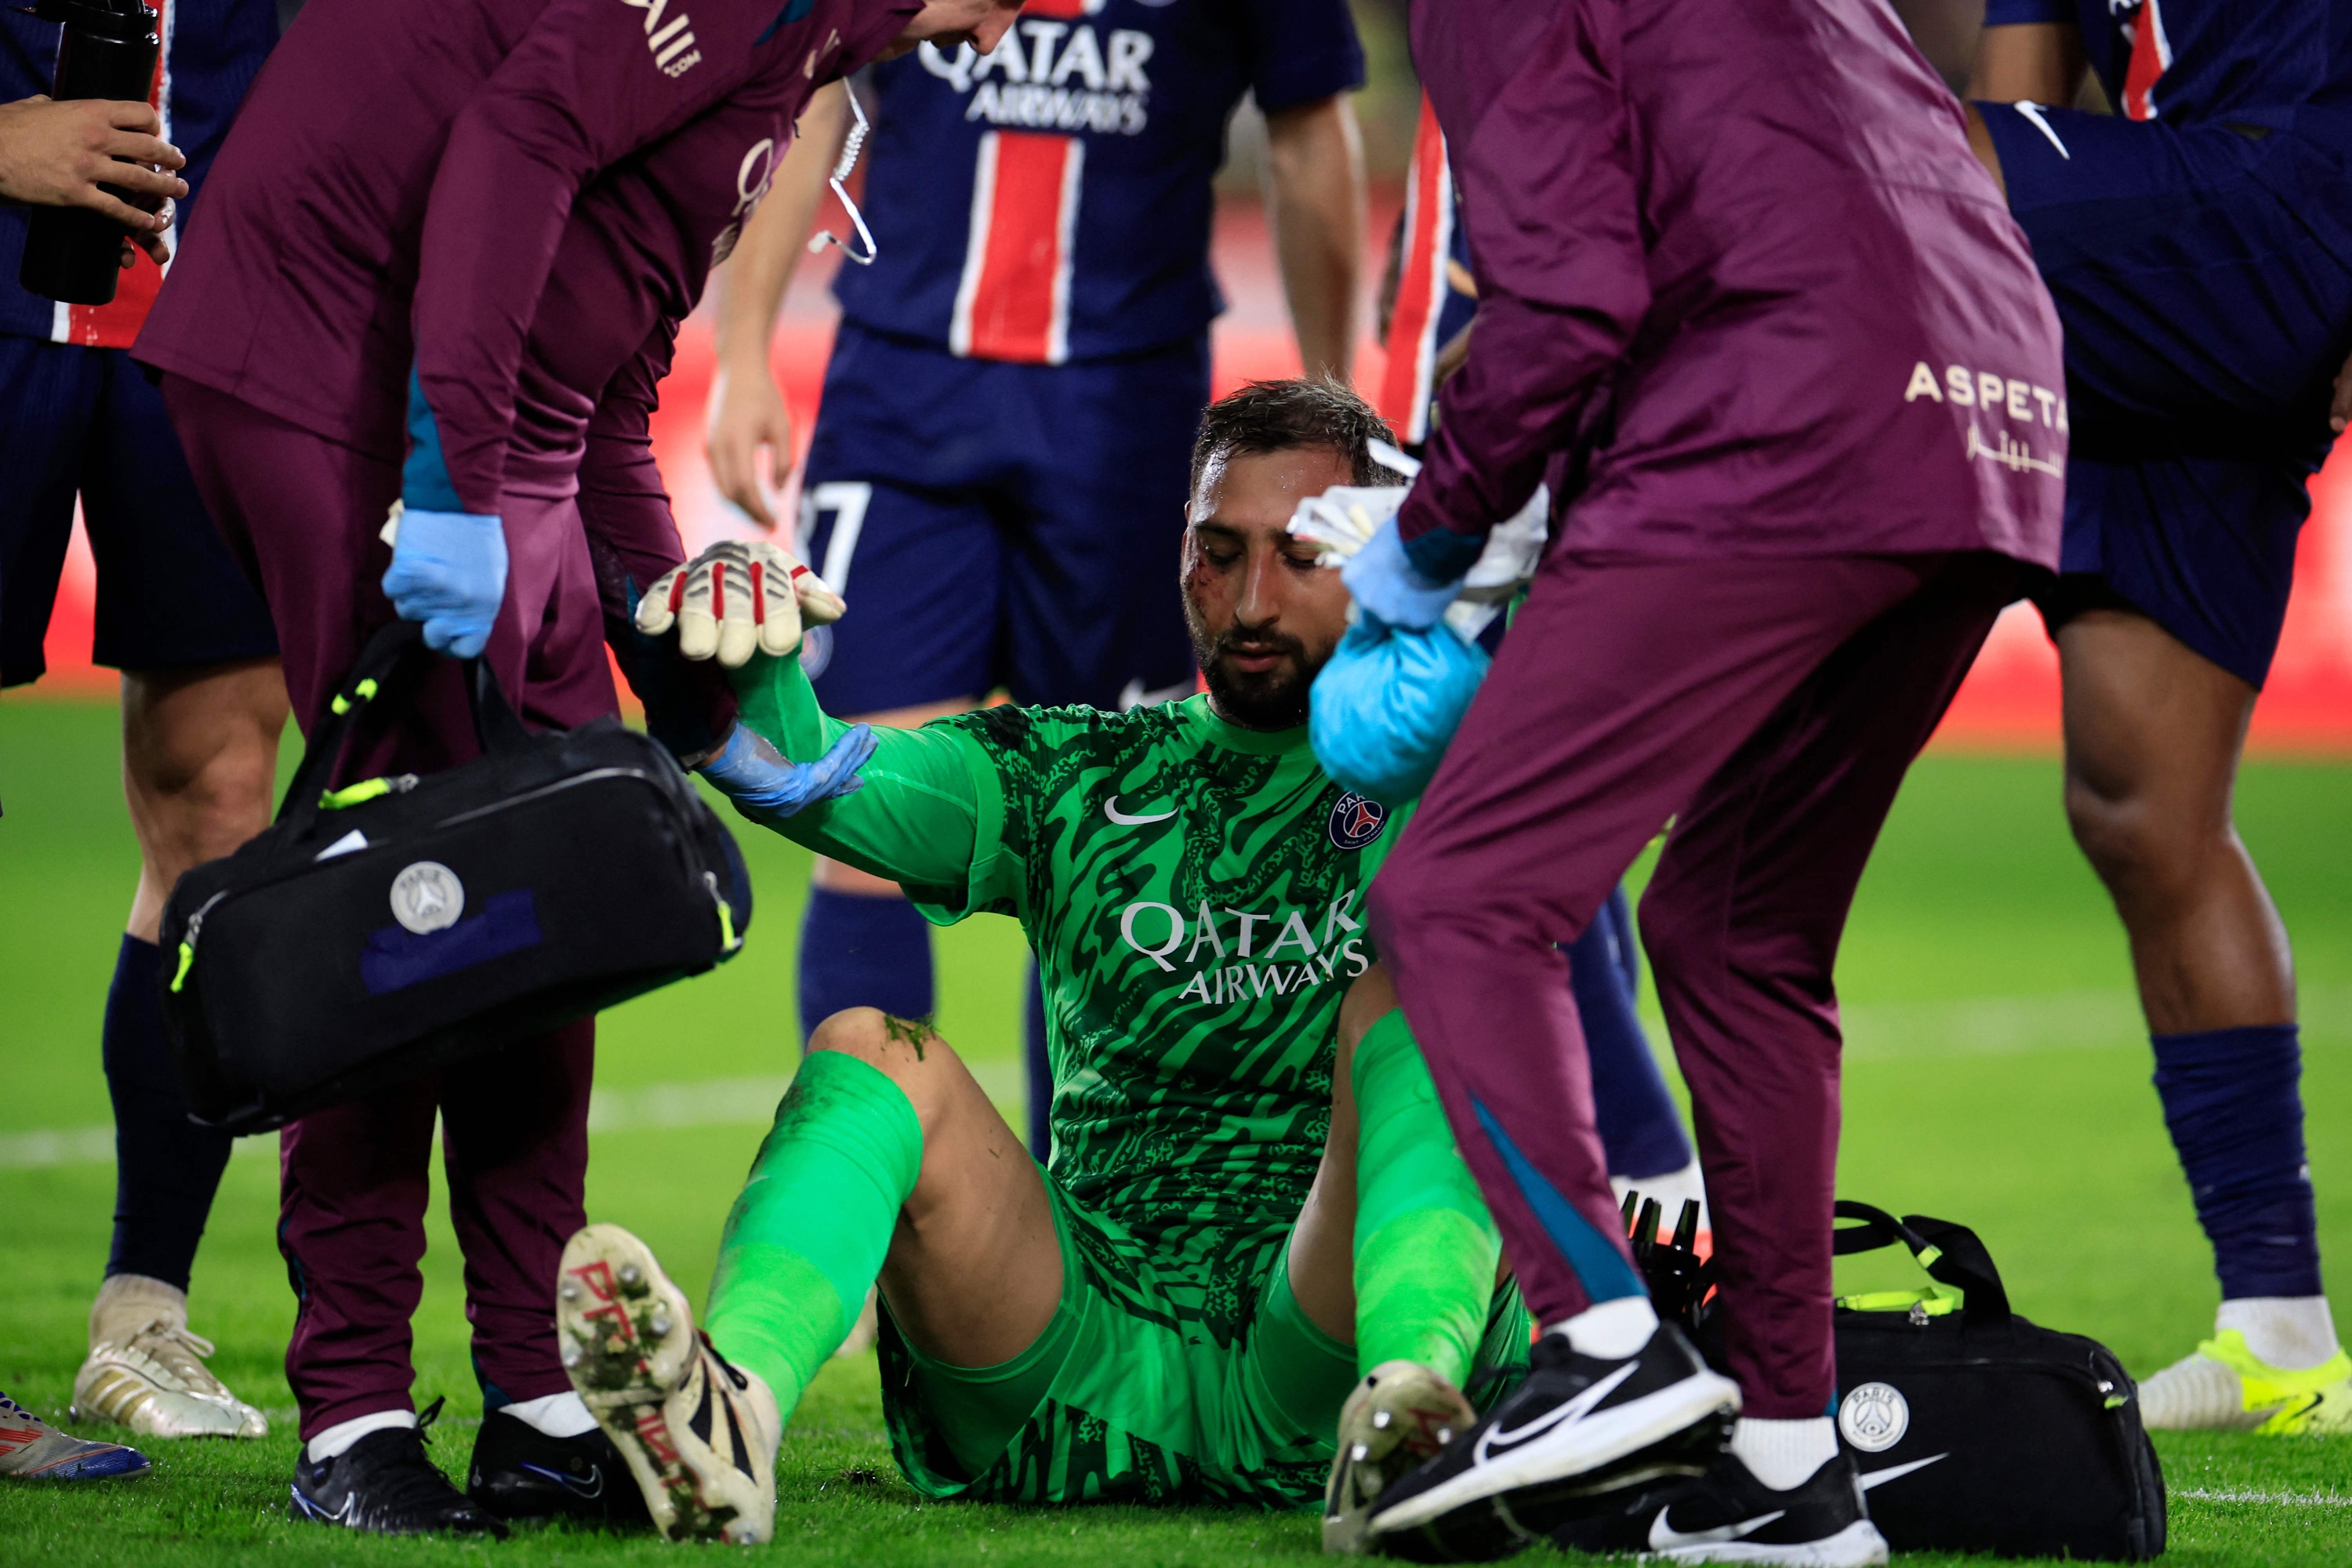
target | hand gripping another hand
[
  {"x": 734, "y": 600},
  {"x": 765, "y": 786}
]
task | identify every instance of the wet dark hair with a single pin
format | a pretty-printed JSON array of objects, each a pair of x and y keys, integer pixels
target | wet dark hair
[{"x": 1284, "y": 415}]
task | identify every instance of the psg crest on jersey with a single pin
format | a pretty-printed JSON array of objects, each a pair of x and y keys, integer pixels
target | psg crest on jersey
[{"x": 1356, "y": 821}]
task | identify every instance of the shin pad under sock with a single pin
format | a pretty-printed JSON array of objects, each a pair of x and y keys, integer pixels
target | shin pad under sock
[{"x": 807, "y": 1235}]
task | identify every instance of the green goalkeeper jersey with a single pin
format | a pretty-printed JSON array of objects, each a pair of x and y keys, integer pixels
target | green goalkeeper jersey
[{"x": 1194, "y": 893}]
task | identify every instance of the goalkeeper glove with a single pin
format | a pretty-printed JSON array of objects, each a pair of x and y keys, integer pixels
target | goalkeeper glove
[
  {"x": 1386, "y": 705},
  {"x": 735, "y": 598},
  {"x": 767, "y": 786},
  {"x": 449, "y": 570}
]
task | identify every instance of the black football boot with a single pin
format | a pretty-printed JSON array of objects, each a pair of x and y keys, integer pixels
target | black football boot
[
  {"x": 520, "y": 1472},
  {"x": 385, "y": 1484}
]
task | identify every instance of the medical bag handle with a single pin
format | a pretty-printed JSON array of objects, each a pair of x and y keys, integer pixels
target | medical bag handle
[
  {"x": 397, "y": 650},
  {"x": 1950, "y": 1253}
]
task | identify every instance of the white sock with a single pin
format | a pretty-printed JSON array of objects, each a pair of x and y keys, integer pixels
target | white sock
[
  {"x": 1784, "y": 1454},
  {"x": 343, "y": 1434},
  {"x": 1611, "y": 1330},
  {"x": 2293, "y": 1333},
  {"x": 557, "y": 1414}
]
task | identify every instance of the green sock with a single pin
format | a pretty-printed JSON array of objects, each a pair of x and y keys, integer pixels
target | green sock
[
  {"x": 1425, "y": 1246},
  {"x": 806, "y": 1238}
]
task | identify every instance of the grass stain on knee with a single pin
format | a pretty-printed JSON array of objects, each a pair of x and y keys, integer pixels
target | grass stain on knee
[{"x": 915, "y": 1032}]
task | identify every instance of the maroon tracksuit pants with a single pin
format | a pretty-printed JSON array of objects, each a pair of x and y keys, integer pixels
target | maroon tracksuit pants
[
  {"x": 303, "y": 513},
  {"x": 1770, "y": 708}
]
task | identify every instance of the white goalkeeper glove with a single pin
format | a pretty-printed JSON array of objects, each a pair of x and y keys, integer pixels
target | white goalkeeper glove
[{"x": 737, "y": 598}]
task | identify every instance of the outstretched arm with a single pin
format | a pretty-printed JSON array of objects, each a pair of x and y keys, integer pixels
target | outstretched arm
[{"x": 915, "y": 820}]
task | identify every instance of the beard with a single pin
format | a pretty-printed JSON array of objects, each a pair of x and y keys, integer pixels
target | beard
[{"x": 1272, "y": 699}]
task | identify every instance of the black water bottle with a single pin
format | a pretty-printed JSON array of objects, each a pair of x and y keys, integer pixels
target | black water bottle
[{"x": 107, "y": 50}]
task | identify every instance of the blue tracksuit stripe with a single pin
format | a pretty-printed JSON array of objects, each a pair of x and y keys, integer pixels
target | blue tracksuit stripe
[{"x": 1600, "y": 1266}]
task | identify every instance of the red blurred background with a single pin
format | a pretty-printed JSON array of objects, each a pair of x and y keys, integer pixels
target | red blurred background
[{"x": 2010, "y": 700}]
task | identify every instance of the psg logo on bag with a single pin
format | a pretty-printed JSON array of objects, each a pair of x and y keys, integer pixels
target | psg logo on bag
[
  {"x": 1874, "y": 1416},
  {"x": 1356, "y": 821},
  {"x": 427, "y": 897}
]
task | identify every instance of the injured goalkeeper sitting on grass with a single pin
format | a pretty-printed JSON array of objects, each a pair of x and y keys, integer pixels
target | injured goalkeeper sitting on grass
[{"x": 1256, "y": 1268}]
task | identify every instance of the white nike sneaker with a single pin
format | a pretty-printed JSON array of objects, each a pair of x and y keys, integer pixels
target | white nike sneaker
[
  {"x": 1401, "y": 1415},
  {"x": 146, "y": 1371},
  {"x": 700, "y": 1435}
]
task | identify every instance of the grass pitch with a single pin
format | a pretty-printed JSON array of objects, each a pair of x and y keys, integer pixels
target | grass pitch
[{"x": 1997, "y": 1075}]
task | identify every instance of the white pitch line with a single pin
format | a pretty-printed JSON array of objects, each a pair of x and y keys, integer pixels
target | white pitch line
[
  {"x": 2024, "y": 1026},
  {"x": 2270, "y": 1499},
  {"x": 1875, "y": 1032},
  {"x": 707, "y": 1102}
]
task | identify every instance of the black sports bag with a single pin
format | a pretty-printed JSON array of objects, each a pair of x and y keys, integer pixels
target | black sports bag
[
  {"x": 380, "y": 930},
  {"x": 1975, "y": 1430}
]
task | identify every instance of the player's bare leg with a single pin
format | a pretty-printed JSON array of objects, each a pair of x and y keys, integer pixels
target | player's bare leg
[
  {"x": 885, "y": 1155},
  {"x": 199, "y": 767},
  {"x": 1410, "y": 1403},
  {"x": 974, "y": 1269},
  {"x": 2153, "y": 736},
  {"x": 199, "y": 760}
]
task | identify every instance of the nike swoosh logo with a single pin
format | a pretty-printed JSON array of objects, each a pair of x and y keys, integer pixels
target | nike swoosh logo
[
  {"x": 591, "y": 1488},
  {"x": 343, "y": 1515},
  {"x": 1132, "y": 695},
  {"x": 1495, "y": 1439},
  {"x": 1664, "y": 1537},
  {"x": 1111, "y": 810},
  {"x": 1895, "y": 1472}
]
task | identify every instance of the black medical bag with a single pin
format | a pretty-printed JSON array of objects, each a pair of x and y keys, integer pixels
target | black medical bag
[{"x": 397, "y": 925}]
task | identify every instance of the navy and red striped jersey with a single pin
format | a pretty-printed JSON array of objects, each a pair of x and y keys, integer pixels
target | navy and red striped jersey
[
  {"x": 1435, "y": 292},
  {"x": 1051, "y": 201},
  {"x": 2191, "y": 61},
  {"x": 212, "y": 50}
]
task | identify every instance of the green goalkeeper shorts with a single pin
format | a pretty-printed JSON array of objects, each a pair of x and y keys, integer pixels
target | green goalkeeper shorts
[{"x": 1127, "y": 1397}]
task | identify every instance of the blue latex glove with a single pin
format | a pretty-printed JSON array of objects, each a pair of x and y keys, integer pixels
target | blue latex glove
[
  {"x": 1386, "y": 705},
  {"x": 767, "y": 786},
  {"x": 449, "y": 570},
  {"x": 1385, "y": 581}
]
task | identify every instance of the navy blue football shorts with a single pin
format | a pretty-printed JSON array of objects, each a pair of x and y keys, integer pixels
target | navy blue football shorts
[
  {"x": 2201, "y": 274},
  {"x": 1000, "y": 525},
  {"x": 84, "y": 421}
]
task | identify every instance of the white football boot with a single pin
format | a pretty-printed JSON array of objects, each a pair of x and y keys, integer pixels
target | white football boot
[
  {"x": 146, "y": 1371},
  {"x": 700, "y": 1433},
  {"x": 1400, "y": 1414},
  {"x": 2223, "y": 1386}
]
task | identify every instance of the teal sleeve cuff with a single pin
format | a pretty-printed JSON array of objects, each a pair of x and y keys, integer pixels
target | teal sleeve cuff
[{"x": 425, "y": 483}]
